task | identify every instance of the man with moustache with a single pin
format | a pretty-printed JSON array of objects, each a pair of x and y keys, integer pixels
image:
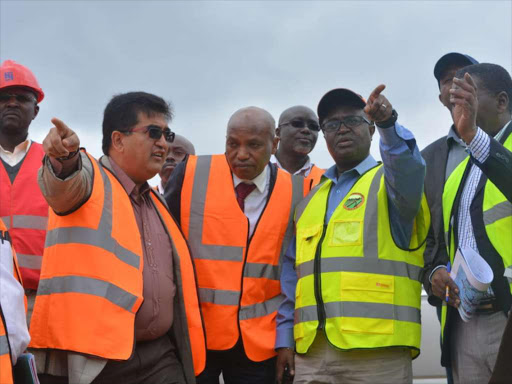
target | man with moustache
[
  {"x": 297, "y": 131},
  {"x": 117, "y": 298},
  {"x": 236, "y": 211},
  {"x": 178, "y": 150},
  {"x": 351, "y": 277}
]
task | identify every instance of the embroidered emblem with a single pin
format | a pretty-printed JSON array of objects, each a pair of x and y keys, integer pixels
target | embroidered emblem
[
  {"x": 8, "y": 76},
  {"x": 354, "y": 201}
]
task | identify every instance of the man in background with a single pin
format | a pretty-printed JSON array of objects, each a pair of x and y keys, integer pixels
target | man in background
[
  {"x": 178, "y": 150},
  {"x": 23, "y": 208},
  {"x": 477, "y": 214},
  {"x": 441, "y": 158},
  {"x": 297, "y": 131}
]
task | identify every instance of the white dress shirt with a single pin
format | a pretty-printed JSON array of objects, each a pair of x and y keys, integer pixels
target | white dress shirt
[
  {"x": 13, "y": 303},
  {"x": 256, "y": 200},
  {"x": 304, "y": 171},
  {"x": 14, "y": 157}
]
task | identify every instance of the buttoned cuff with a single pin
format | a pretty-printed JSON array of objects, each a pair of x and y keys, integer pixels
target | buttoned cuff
[
  {"x": 284, "y": 338},
  {"x": 480, "y": 146}
]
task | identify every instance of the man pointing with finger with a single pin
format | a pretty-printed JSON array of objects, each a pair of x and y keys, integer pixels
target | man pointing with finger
[
  {"x": 117, "y": 271},
  {"x": 351, "y": 278}
]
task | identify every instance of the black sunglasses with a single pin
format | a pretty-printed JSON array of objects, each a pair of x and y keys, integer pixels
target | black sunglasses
[
  {"x": 20, "y": 98},
  {"x": 301, "y": 124},
  {"x": 155, "y": 132}
]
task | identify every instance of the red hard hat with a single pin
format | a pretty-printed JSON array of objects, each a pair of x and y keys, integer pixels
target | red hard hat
[{"x": 13, "y": 74}]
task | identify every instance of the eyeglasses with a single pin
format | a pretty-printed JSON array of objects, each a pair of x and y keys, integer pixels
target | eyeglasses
[
  {"x": 301, "y": 124},
  {"x": 154, "y": 132},
  {"x": 349, "y": 121},
  {"x": 20, "y": 98}
]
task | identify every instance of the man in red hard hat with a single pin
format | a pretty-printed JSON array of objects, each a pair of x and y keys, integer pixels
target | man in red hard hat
[{"x": 23, "y": 208}]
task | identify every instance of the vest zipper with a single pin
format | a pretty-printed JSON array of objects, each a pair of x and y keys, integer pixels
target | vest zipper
[
  {"x": 317, "y": 272},
  {"x": 318, "y": 281}
]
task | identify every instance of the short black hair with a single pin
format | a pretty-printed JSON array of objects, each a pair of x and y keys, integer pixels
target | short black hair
[
  {"x": 121, "y": 113},
  {"x": 493, "y": 77}
]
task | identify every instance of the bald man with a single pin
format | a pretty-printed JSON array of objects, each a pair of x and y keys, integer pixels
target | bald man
[
  {"x": 297, "y": 132},
  {"x": 236, "y": 211},
  {"x": 178, "y": 150}
]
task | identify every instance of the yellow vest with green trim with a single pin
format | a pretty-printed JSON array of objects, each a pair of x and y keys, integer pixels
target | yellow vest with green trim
[
  {"x": 497, "y": 217},
  {"x": 353, "y": 280}
]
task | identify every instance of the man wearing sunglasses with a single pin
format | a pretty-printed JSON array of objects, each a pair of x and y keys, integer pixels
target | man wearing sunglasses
[
  {"x": 117, "y": 267},
  {"x": 236, "y": 212},
  {"x": 297, "y": 131},
  {"x": 22, "y": 206},
  {"x": 351, "y": 278}
]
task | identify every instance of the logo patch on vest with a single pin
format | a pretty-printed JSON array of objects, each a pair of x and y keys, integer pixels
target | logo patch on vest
[{"x": 354, "y": 201}]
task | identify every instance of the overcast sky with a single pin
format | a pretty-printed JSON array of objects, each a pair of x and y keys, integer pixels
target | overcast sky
[{"x": 210, "y": 58}]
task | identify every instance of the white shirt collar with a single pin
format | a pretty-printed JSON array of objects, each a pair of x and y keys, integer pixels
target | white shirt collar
[
  {"x": 304, "y": 171},
  {"x": 260, "y": 181}
]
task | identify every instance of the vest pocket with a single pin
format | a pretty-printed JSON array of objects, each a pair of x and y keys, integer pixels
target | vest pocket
[
  {"x": 307, "y": 240},
  {"x": 367, "y": 302},
  {"x": 346, "y": 233}
]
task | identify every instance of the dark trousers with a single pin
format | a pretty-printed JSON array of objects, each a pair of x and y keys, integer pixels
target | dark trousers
[
  {"x": 449, "y": 374},
  {"x": 236, "y": 368},
  {"x": 152, "y": 362}
]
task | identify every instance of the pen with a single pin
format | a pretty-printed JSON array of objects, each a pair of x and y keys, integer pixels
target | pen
[{"x": 447, "y": 294}]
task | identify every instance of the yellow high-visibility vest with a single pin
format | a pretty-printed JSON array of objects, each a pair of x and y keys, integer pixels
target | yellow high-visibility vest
[{"x": 353, "y": 280}]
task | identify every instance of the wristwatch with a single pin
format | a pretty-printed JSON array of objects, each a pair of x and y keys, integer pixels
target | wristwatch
[{"x": 389, "y": 122}]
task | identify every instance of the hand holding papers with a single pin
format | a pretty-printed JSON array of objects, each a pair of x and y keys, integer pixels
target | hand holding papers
[{"x": 473, "y": 277}]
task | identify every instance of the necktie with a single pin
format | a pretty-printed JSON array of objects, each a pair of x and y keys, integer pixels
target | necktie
[{"x": 242, "y": 191}]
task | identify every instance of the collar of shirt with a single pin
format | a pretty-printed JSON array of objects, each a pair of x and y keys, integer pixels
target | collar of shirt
[
  {"x": 260, "y": 181},
  {"x": 362, "y": 167},
  {"x": 129, "y": 186},
  {"x": 19, "y": 152},
  {"x": 502, "y": 131},
  {"x": 304, "y": 171},
  {"x": 452, "y": 137}
]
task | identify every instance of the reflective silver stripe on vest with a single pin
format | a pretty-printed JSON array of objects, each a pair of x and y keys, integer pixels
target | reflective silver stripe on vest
[
  {"x": 4, "y": 345},
  {"x": 508, "y": 273},
  {"x": 29, "y": 261},
  {"x": 259, "y": 270},
  {"x": 219, "y": 296},
  {"x": 371, "y": 219},
  {"x": 360, "y": 309},
  {"x": 261, "y": 309},
  {"x": 195, "y": 232},
  {"x": 358, "y": 264},
  {"x": 7, "y": 221},
  {"x": 29, "y": 222},
  {"x": 498, "y": 212},
  {"x": 90, "y": 286},
  {"x": 101, "y": 237}
]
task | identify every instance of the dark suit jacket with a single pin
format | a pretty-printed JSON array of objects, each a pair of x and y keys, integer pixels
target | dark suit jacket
[{"x": 436, "y": 157}]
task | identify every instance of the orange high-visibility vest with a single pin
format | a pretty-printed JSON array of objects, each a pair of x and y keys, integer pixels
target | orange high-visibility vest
[
  {"x": 91, "y": 280},
  {"x": 24, "y": 211},
  {"x": 5, "y": 349},
  {"x": 238, "y": 276},
  {"x": 313, "y": 178}
]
